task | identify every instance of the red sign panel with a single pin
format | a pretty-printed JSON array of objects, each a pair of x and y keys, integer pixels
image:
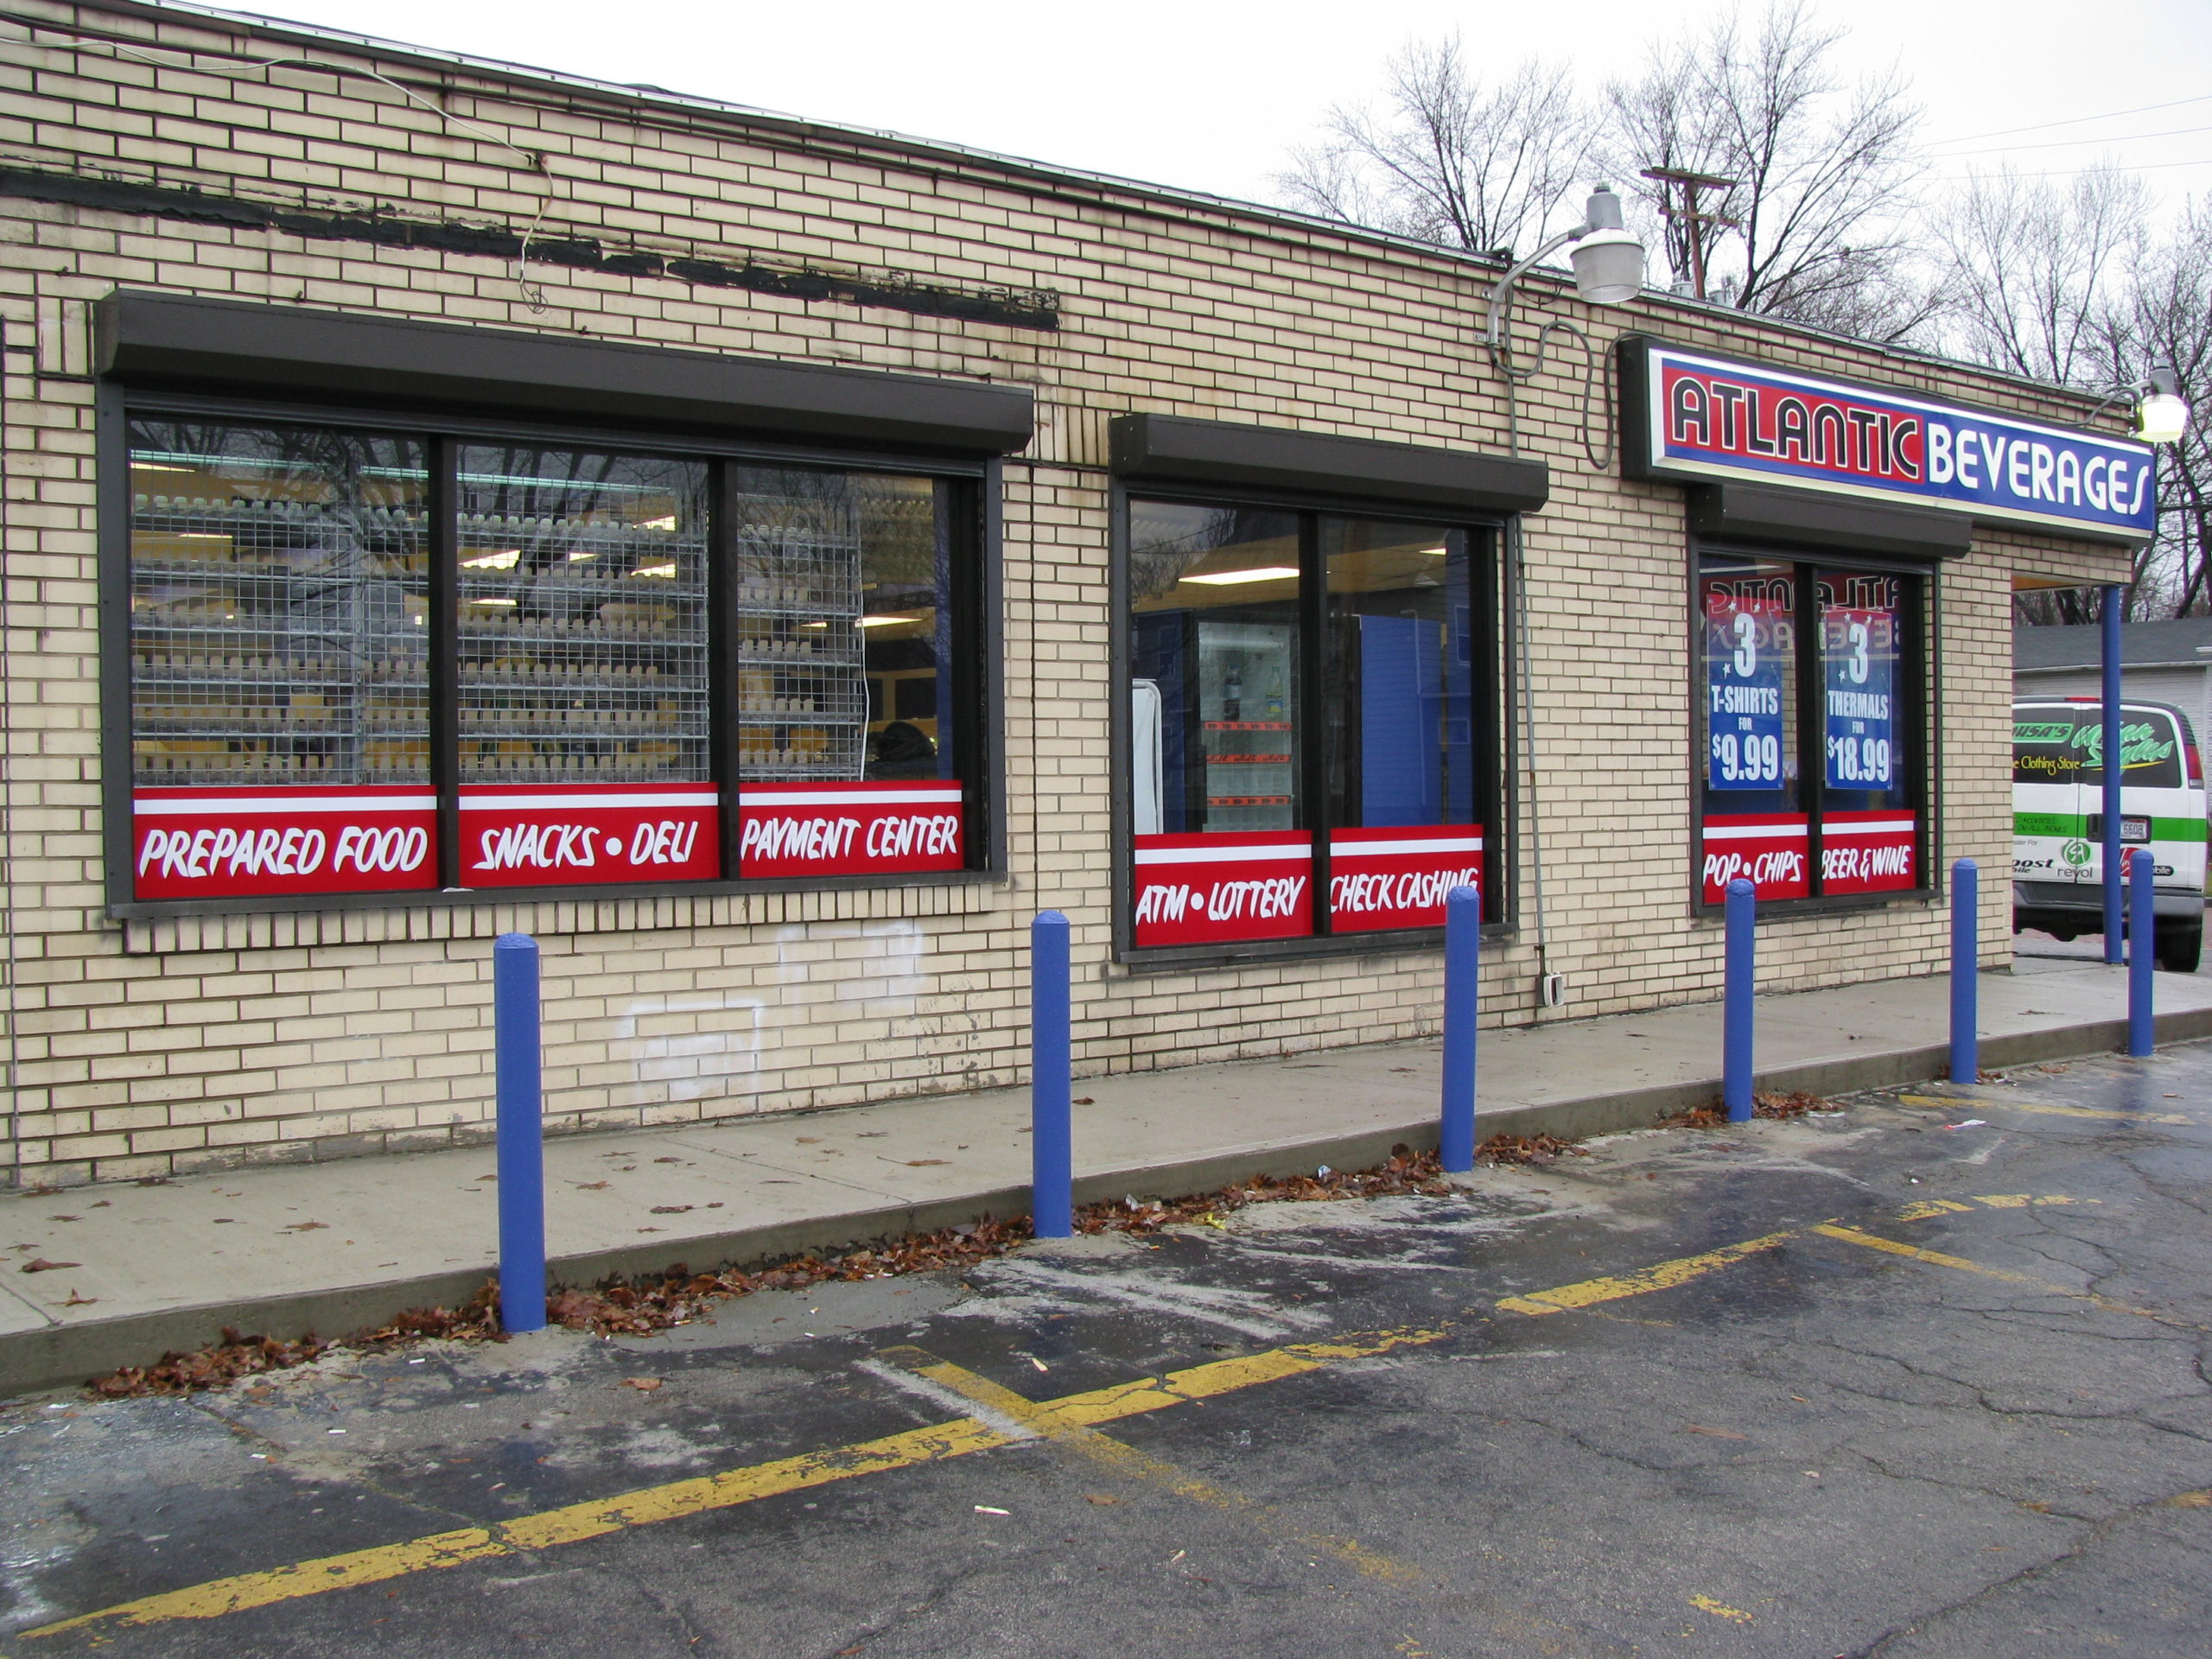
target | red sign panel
[
  {"x": 234, "y": 843},
  {"x": 1869, "y": 852},
  {"x": 1400, "y": 878},
  {"x": 877, "y": 828},
  {"x": 1207, "y": 889},
  {"x": 564, "y": 835},
  {"x": 1769, "y": 849}
]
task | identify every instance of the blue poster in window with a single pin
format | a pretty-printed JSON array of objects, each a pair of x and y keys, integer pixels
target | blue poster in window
[
  {"x": 1744, "y": 666},
  {"x": 1860, "y": 658}
]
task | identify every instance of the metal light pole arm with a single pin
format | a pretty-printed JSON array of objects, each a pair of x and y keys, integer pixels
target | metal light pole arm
[{"x": 1501, "y": 353}]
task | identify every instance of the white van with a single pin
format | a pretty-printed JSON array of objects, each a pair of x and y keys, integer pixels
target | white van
[{"x": 2058, "y": 819}]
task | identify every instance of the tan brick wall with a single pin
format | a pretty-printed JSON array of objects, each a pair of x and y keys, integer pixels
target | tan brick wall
[{"x": 160, "y": 1046}]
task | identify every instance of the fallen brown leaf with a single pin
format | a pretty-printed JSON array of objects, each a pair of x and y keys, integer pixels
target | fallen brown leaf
[
  {"x": 922, "y": 1163},
  {"x": 588, "y": 1186},
  {"x": 809, "y": 1139},
  {"x": 2190, "y": 1501},
  {"x": 40, "y": 1264},
  {"x": 75, "y": 1300},
  {"x": 64, "y": 1218},
  {"x": 308, "y": 1227},
  {"x": 668, "y": 1160},
  {"x": 1082, "y": 1100},
  {"x": 643, "y": 1384},
  {"x": 671, "y": 1209},
  {"x": 1101, "y": 1498}
]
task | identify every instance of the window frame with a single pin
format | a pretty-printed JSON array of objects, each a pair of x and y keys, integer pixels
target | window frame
[
  {"x": 1918, "y": 684},
  {"x": 1495, "y": 690},
  {"x": 976, "y": 588}
]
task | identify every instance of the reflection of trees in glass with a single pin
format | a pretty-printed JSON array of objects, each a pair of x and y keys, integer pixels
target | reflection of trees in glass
[{"x": 1167, "y": 539}]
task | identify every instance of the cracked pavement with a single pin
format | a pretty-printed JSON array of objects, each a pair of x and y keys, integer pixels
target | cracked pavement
[{"x": 1971, "y": 1417}]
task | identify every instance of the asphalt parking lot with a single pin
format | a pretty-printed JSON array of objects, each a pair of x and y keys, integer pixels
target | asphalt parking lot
[{"x": 1921, "y": 1377}]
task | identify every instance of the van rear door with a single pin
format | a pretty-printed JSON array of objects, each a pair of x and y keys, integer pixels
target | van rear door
[{"x": 2050, "y": 828}]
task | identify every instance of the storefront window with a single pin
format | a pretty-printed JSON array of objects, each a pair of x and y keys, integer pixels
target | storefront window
[
  {"x": 1404, "y": 792},
  {"x": 1777, "y": 686},
  {"x": 1243, "y": 815},
  {"x": 279, "y": 661},
  {"x": 657, "y": 668},
  {"x": 846, "y": 706}
]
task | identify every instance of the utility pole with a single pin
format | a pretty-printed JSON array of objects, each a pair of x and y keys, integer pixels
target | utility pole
[{"x": 1694, "y": 222}]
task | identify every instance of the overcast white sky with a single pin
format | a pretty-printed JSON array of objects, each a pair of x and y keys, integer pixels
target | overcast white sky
[{"x": 1208, "y": 94}]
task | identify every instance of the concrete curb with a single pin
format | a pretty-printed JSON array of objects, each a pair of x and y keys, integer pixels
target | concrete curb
[{"x": 64, "y": 1355}]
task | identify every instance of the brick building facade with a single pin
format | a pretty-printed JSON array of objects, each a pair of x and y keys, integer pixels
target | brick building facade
[{"x": 631, "y": 273}]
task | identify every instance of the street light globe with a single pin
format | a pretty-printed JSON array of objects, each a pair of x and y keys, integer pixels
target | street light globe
[
  {"x": 2162, "y": 415},
  {"x": 1608, "y": 267}
]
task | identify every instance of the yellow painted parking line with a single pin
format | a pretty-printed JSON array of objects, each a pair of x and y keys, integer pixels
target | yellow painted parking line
[
  {"x": 1052, "y": 1420},
  {"x": 2047, "y": 1109},
  {"x": 647, "y": 1506},
  {"x": 1938, "y": 1258},
  {"x": 1665, "y": 1276}
]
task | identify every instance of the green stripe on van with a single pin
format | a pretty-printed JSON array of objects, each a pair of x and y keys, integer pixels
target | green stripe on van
[{"x": 2068, "y": 826}]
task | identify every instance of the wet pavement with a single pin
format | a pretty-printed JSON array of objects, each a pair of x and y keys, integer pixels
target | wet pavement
[{"x": 1891, "y": 1381}]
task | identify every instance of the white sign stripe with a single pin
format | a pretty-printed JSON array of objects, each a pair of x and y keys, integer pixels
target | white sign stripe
[
  {"x": 1757, "y": 832},
  {"x": 1887, "y": 827},
  {"x": 212, "y": 805},
  {"x": 817, "y": 798},
  {"x": 1276, "y": 854},
  {"x": 1341, "y": 851},
  {"x": 500, "y": 801}
]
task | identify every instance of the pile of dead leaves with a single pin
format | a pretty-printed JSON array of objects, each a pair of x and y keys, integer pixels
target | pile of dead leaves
[
  {"x": 218, "y": 1363},
  {"x": 1770, "y": 1106},
  {"x": 655, "y": 1301}
]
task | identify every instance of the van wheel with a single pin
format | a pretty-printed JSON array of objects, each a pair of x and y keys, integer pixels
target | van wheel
[{"x": 2180, "y": 949}]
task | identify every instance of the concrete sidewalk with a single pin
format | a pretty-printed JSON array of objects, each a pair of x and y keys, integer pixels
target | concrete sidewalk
[{"x": 335, "y": 1247}]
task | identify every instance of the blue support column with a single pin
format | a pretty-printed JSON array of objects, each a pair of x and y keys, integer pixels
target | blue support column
[
  {"x": 521, "y": 1161},
  {"x": 2142, "y": 949},
  {"x": 1739, "y": 1019},
  {"x": 1051, "y": 1067},
  {"x": 2113, "y": 600},
  {"x": 1966, "y": 969},
  {"x": 1463, "y": 921}
]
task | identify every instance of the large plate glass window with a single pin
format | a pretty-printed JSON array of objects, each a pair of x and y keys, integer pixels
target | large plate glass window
[
  {"x": 1796, "y": 663},
  {"x": 279, "y": 661},
  {"x": 1303, "y": 698},
  {"x": 364, "y": 662},
  {"x": 581, "y": 622},
  {"x": 849, "y": 733}
]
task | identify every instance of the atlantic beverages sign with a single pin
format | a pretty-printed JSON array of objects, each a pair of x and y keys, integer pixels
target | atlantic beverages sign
[{"x": 1692, "y": 417}]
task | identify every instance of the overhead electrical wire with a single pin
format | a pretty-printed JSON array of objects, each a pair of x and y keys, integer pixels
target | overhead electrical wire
[
  {"x": 2073, "y": 121},
  {"x": 2074, "y": 143}
]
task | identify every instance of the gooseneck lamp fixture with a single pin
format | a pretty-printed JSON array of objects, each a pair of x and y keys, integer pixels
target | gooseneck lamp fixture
[
  {"x": 2161, "y": 414},
  {"x": 1608, "y": 263}
]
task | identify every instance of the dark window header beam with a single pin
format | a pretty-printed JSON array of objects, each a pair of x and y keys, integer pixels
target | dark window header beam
[
  {"x": 175, "y": 340},
  {"x": 1174, "y": 449},
  {"x": 1804, "y": 519}
]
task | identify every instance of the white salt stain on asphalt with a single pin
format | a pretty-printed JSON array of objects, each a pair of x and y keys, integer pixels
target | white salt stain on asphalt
[{"x": 1250, "y": 1313}]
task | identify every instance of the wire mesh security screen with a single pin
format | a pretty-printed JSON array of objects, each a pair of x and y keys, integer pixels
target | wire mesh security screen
[
  {"x": 1404, "y": 816},
  {"x": 582, "y": 613},
  {"x": 279, "y": 661},
  {"x": 279, "y": 583},
  {"x": 844, "y": 697},
  {"x": 1221, "y": 850},
  {"x": 1754, "y": 824},
  {"x": 582, "y": 700}
]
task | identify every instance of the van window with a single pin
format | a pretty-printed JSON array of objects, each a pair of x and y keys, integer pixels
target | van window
[{"x": 2063, "y": 745}]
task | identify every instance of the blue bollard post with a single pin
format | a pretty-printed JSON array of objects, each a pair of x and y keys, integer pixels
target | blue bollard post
[
  {"x": 521, "y": 1131},
  {"x": 1052, "y": 1138},
  {"x": 2112, "y": 870},
  {"x": 1735, "y": 1042},
  {"x": 1966, "y": 969},
  {"x": 2142, "y": 949},
  {"x": 1463, "y": 921}
]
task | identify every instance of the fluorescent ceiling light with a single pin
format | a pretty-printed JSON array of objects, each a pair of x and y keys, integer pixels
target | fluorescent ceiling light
[
  {"x": 494, "y": 601},
  {"x": 1263, "y": 573},
  {"x": 506, "y": 561},
  {"x": 577, "y": 555},
  {"x": 160, "y": 467},
  {"x": 668, "y": 523},
  {"x": 885, "y": 621},
  {"x": 667, "y": 570}
]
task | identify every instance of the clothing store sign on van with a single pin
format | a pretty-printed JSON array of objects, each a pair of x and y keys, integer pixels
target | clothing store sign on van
[{"x": 1692, "y": 417}]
